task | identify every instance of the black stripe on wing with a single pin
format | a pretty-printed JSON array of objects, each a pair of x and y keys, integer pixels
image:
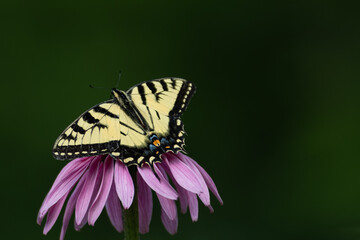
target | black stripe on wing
[
  {"x": 185, "y": 93},
  {"x": 182, "y": 101},
  {"x": 142, "y": 94},
  {"x": 76, "y": 128},
  {"x": 100, "y": 109},
  {"x": 68, "y": 151},
  {"x": 164, "y": 85},
  {"x": 89, "y": 118},
  {"x": 85, "y": 150}
]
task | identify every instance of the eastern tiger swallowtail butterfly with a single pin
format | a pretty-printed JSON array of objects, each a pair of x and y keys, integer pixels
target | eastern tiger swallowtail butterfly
[{"x": 136, "y": 126}]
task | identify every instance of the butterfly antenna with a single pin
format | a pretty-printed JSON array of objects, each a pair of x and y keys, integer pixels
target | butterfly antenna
[
  {"x": 118, "y": 81},
  {"x": 97, "y": 87},
  {"x": 106, "y": 88}
]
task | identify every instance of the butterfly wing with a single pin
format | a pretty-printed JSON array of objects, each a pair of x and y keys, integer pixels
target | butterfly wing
[
  {"x": 109, "y": 128},
  {"x": 100, "y": 130},
  {"x": 161, "y": 102}
]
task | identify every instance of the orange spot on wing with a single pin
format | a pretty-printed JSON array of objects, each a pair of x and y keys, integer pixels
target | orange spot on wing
[{"x": 156, "y": 142}]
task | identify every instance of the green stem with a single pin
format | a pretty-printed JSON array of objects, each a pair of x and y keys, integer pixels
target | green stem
[{"x": 131, "y": 215}]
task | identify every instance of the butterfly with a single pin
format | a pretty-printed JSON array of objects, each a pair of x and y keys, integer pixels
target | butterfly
[{"x": 136, "y": 126}]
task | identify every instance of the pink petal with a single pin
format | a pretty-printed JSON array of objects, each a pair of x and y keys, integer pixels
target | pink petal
[
  {"x": 98, "y": 181},
  {"x": 66, "y": 179},
  {"x": 162, "y": 187},
  {"x": 113, "y": 208},
  {"x": 124, "y": 184},
  {"x": 159, "y": 169},
  {"x": 182, "y": 173},
  {"x": 69, "y": 168},
  {"x": 193, "y": 206},
  {"x": 209, "y": 182},
  {"x": 80, "y": 225},
  {"x": 181, "y": 191},
  {"x": 211, "y": 208},
  {"x": 70, "y": 207},
  {"x": 86, "y": 193},
  {"x": 182, "y": 197},
  {"x": 204, "y": 195},
  {"x": 145, "y": 204},
  {"x": 170, "y": 225},
  {"x": 168, "y": 206},
  {"x": 53, "y": 214},
  {"x": 100, "y": 200}
]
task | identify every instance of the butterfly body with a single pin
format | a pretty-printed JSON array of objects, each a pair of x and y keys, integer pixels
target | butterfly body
[{"x": 136, "y": 126}]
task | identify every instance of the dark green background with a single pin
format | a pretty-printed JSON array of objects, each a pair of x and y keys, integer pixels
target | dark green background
[{"x": 275, "y": 120}]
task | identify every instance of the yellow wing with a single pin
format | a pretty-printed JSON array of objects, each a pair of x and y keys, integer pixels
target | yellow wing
[
  {"x": 161, "y": 102},
  {"x": 100, "y": 130}
]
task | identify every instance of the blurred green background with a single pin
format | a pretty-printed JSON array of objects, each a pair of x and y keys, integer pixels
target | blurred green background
[{"x": 275, "y": 120}]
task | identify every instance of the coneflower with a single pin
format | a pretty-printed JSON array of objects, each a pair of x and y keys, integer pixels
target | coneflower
[{"x": 102, "y": 181}]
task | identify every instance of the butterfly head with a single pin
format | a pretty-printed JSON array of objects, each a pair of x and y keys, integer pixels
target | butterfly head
[{"x": 120, "y": 96}]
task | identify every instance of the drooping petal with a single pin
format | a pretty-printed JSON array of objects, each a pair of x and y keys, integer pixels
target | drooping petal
[
  {"x": 211, "y": 209},
  {"x": 162, "y": 187},
  {"x": 145, "y": 204},
  {"x": 64, "y": 186},
  {"x": 182, "y": 198},
  {"x": 70, "y": 207},
  {"x": 69, "y": 168},
  {"x": 168, "y": 206},
  {"x": 66, "y": 179},
  {"x": 83, "y": 201},
  {"x": 171, "y": 225},
  {"x": 113, "y": 208},
  {"x": 204, "y": 195},
  {"x": 124, "y": 184},
  {"x": 160, "y": 168},
  {"x": 182, "y": 173},
  {"x": 181, "y": 191},
  {"x": 100, "y": 200},
  {"x": 79, "y": 226},
  {"x": 53, "y": 214},
  {"x": 193, "y": 206},
  {"x": 209, "y": 182}
]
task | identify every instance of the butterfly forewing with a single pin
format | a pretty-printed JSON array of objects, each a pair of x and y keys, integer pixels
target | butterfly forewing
[
  {"x": 168, "y": 96},
  {"x": 95, "y": 132}
]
